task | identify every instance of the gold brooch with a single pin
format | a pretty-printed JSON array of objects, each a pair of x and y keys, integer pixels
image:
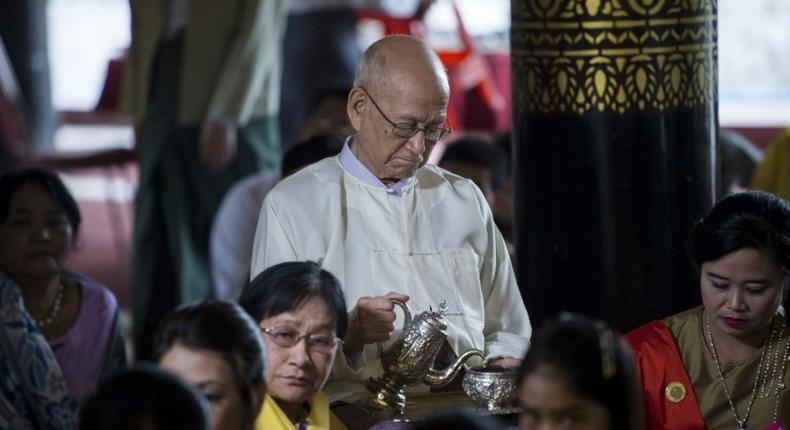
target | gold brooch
[{"x": 675, "y": 392}]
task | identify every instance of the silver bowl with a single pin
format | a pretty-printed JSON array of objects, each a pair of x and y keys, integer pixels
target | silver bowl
[{"x": 493, "y": 387}]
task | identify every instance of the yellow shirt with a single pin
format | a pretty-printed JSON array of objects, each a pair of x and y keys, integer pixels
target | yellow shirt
[
  {"x": 319, "y": 418},
  {"x": 773, "y": 174}
]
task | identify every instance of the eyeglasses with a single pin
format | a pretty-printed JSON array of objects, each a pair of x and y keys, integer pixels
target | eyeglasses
[
  {"x": 407, "y": 130},
  {"x": 287, "y": 338}
]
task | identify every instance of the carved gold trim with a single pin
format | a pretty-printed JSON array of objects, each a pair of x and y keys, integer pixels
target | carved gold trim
[{"x": 576, "y": 56}]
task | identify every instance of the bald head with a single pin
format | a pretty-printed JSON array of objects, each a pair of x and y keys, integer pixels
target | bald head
[
  {"x": 393, "y": 59},
  {"x": 400, "y": 85}
]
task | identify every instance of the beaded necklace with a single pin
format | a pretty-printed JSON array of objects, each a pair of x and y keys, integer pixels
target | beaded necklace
[
  {"x": 772, "y": 381},
  {"x": 54, "y": 310}
]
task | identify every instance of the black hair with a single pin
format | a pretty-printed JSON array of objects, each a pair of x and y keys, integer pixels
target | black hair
[
  {"x": 753, "y": 219},
  {"x": 285, "y": 286},
  {"x": 593, "y": 360},
  {"x": 50, "y": 182},
  {"x": 225, "y": 328},
  {"x": 739, "y": 158},
  {"x": 145, "y": 397},
  {"x": 311, "y": 150},
  {"x": 456, "y": 419},
  {"x": 478, "y": 151}
]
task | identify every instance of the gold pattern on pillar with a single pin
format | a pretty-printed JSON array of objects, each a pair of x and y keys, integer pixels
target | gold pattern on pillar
[{"x": 577, "y": 56}]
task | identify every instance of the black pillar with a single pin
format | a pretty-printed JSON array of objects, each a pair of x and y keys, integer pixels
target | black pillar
[
  {"x": 23, "y": 29},
  {"x": 614, "y": 106}
]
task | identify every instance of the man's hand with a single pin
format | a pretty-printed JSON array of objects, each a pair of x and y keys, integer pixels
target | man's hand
[
  {"x": 506, "y": 362},
  {"x": 217, "y": 146},
  {"x": 371, "y": 320}
]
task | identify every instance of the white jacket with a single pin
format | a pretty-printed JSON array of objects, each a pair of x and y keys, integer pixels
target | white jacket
[{"x": 435, "y": 242}]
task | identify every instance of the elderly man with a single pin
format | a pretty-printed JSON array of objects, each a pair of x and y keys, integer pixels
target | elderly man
[{"x": 390, "y": 227}]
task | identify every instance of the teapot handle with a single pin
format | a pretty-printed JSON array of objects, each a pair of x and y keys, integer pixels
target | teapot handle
[{"x": 406, "y": 312}]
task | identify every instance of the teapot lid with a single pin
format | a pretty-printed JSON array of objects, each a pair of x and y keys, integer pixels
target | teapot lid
[{"x": 435, "y": 318}]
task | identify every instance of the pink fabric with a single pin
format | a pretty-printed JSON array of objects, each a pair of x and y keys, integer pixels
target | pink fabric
[{"x": 81, "y": 351}]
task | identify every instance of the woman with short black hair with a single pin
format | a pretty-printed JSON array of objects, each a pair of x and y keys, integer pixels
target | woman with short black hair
[{"x": 301, "y": 309}]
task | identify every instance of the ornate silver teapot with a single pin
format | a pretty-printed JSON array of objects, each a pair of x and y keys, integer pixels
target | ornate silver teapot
[{"x": 410, "y": 359}]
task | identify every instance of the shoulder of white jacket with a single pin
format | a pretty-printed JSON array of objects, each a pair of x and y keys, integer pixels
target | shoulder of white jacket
[
  {"x": 431, "y": 173},
  {"x": 312, "y": 180}
]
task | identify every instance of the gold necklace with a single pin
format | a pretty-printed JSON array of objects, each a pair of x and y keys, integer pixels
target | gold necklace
[{"x": 740, "y": 422}]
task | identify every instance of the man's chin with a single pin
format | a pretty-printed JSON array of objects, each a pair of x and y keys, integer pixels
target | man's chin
[{"x": 402, "y": 175}]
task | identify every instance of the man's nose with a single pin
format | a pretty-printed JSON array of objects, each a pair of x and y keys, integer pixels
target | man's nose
[{"x": 416, "y": 143}]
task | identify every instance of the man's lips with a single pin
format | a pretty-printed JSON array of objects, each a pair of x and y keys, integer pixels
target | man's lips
[
  {"x": 408, "y": 160},
  {"x": 409, "y": 164},
  {"x": 734, "y": 322}
]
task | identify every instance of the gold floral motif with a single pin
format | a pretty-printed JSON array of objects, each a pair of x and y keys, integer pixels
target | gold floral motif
[{"x": 576, "y": 56}]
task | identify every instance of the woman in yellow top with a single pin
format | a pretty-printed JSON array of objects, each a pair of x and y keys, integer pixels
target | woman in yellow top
[{"x": 301, "y": 309}]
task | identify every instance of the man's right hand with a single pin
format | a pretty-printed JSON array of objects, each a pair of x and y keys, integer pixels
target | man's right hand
[{"x": 371, "y": 320}]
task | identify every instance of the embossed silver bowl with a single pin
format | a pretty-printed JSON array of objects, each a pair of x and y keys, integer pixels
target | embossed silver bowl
[{"x": 494, "y": 387}]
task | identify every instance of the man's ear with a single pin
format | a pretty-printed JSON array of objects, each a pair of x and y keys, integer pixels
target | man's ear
[{"x": 355, "y": 106}]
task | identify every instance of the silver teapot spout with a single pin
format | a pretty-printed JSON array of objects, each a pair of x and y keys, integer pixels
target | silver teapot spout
[{"x": 440, "y": 378}]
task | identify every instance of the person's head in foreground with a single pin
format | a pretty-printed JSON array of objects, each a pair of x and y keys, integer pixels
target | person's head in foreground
[
  {"x": 146, "y": 398},
  {"x": 742, "y": 251},
  {"x": 398, "y": 107},
  {"x": 301, "y": 309},
  {"x": 578, "y": 374},
  {"x": 216, "y": 347},
  {"x": 458, "y": 419}
]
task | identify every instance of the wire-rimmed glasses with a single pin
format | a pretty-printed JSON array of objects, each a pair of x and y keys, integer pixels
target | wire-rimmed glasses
[
  {"x": 406, "y": 130},
  {"x": 285, "y": 337}
]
